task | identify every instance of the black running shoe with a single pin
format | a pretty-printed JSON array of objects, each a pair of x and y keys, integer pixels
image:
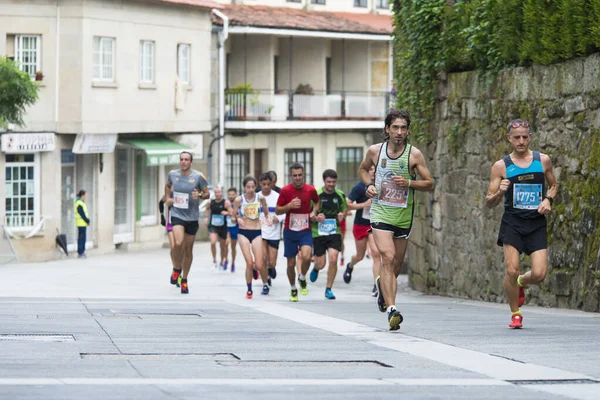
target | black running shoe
[
  {"x": 175, "y": 276},
  {"x": 184, "y": 286},
  {"x": 380, "y": 299},
  {"x": 269, "y": 281},
  {"x": 272, "y": 273},
  {"x": 348, "y": 273},
  {"x": 395, "y": 319}
]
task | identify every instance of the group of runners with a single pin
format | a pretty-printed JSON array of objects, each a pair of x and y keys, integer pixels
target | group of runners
[{"x": 309, "y": 220}]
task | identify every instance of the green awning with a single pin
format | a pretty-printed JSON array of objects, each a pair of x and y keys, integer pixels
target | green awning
[{"x": 159, "y": 151}]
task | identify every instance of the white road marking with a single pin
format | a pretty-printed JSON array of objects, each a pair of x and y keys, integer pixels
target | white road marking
[
  {"x": 497, "y": 368},
  {"x": 246, "y": 382}
]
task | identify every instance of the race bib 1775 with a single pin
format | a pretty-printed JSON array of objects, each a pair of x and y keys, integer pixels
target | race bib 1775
[{"x": 527, "y": 196}]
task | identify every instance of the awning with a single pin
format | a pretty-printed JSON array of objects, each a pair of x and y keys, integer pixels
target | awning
[{"x": 159, "y": 151}]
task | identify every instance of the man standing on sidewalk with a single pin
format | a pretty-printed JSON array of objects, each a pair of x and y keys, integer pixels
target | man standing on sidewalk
[
  {"x": 520, "y": 180},
  {"x": 82, "y": 220},
  {"x": 295, "y": 201},
  {"x": 188, "y": 187},
  {"x": 392, "y": 203}
]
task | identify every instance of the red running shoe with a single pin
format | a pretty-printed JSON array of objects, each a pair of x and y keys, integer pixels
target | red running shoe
[
  {"x": 254, "y": 274},
  {"x": 521, "y": 295},
  {"x": 249, "y": 294},
  {"x": 175, "y": 276},
  {"x": 517, "y": 322}
]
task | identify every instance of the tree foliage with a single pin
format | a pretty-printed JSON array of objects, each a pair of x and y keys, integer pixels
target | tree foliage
[{"x": 17, "y": 92}]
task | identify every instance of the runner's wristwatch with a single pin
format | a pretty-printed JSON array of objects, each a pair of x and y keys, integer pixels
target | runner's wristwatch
[{"x": 550, "y": 199}]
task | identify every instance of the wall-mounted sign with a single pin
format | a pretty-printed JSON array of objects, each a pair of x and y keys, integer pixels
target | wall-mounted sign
[
  {"x": 86, "y": 144},
  {"x": 15, "y": 143}
]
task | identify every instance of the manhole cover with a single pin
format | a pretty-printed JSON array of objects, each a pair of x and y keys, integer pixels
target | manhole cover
[
  {"x": 160, "y": 356},
  {"x": 36, "y": 338},
  {"x": 555, "y": 382}
]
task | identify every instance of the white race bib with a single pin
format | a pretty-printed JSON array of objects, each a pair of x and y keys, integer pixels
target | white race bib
[
  {"x": 328, "y": 227},
  {"x": 393, "y": 195},
  {"x": 217, "y": 220},
  {"x": 181, "y": 200},
  {"x": 366, "y": 213},
  {"x": 298, "y": 222}
]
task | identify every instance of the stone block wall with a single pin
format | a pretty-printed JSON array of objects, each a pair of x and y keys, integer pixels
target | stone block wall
[{"x": 453, "y": 247}]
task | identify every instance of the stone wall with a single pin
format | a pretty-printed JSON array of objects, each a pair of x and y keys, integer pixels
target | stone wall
[{"x": 453, "y": 247}]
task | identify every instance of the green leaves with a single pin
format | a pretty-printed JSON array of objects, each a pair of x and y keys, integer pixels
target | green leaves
[
  {"x": 17, "y": 92},
  {"x": 433, "y": 36}
]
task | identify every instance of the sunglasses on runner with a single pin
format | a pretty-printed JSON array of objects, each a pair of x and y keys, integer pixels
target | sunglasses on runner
[{"x": 517, "y": 124}]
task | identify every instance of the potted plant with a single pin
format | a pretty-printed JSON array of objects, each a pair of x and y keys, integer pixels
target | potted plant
[
  {"x": 39, "y": 76},
  {"x": 304, "y": 89}
]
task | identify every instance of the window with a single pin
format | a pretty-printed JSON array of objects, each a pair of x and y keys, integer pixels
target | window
[
  {"x": 21, "y": 188},
  {"x": 318, "y": 1},
  {"x": 302, "y": 156},
  {"x": 360, "y": 3},
  {"x": 276, "y": 73},
  {"x": 183, "y": 62},
  {"x": 237, "y": 167},
  {"x": 147, "y": 191},
  {"x": 104, "y": 59},
  {"x": 348, "y": 160},
  {"x": 28, "y": 53},
  {"x": 146, "y": 61},
  {"x": 383, "y": 4}
]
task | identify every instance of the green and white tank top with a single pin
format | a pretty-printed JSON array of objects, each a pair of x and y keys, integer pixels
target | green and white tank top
[{"x": 394, "y": 204}]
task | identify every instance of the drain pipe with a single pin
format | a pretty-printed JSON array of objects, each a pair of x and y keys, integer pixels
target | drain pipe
[{"x": 222, "y": 38}]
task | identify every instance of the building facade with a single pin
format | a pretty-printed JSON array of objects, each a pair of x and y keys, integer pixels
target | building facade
[
  {"x": 125, "y": 88},
  {"x": 307, "y": 81}
]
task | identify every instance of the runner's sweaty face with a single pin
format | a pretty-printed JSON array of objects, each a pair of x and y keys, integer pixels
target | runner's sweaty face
[
  {"x": 218, "y": 194},
  {"x": 250, "y": 188},
  {"x": 398, "y": 131},
  {"x": 520, "y": 138},
  {"x": 185, "y": 162},
  {"x": 266, "y": 186},
  {"x": 231, "y": 195},
  {"x": 297, "y": 177},
  {"x": 330, "y": 184}
]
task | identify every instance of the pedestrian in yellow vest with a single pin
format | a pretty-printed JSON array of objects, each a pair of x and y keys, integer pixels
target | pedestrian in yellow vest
[{"x": 82, "y": 220}]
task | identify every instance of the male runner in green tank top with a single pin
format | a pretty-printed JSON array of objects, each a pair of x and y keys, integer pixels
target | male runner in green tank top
[{"x": 396, "y": 164}]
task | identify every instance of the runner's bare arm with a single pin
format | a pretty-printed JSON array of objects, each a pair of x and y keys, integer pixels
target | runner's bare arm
[
  {"x": 545, "y": 207},
  {"x": 236, "y": 207},
  {"x": 205, "y": 193},
  {"x": 498, "y": 185},
  {"x": 263, "y": 203},
  {"x": 424, "y": 184},
  {"x": 227, "y": 209},
  {"x": 369, "y": 160}
]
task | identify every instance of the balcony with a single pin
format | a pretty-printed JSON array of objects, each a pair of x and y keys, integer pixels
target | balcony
[{"x": 294, "y": 109}]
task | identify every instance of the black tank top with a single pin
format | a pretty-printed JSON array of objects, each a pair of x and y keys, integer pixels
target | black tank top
[{"x": 216, "y": 208}]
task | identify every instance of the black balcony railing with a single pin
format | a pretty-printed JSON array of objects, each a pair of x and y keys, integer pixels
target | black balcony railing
[{"x": 284, "y": 105}]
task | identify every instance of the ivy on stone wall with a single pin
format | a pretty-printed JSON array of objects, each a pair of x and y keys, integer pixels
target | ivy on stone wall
[{"x": 435, "y": 36}]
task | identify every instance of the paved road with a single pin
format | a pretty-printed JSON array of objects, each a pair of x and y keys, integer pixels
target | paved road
[{"x": 112, "y": 327}]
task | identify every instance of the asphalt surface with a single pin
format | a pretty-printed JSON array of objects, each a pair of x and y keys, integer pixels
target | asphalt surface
[{"x": 112, "y": 327}]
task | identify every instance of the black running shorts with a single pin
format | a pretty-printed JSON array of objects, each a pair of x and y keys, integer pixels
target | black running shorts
[
  {"x": 189, "y": 227},
  {"x": 322, "y": 243},
  {"x": 525, "y": 241}
]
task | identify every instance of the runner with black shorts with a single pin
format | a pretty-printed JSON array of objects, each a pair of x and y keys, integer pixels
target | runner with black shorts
[
  {"x": 217, "y": 227},
  {"x": 392, "y": 203},
  {"x": 188, "y": 186},
  {"x": 326, "y": 230},
  {"x": 520, "y": 180}
]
